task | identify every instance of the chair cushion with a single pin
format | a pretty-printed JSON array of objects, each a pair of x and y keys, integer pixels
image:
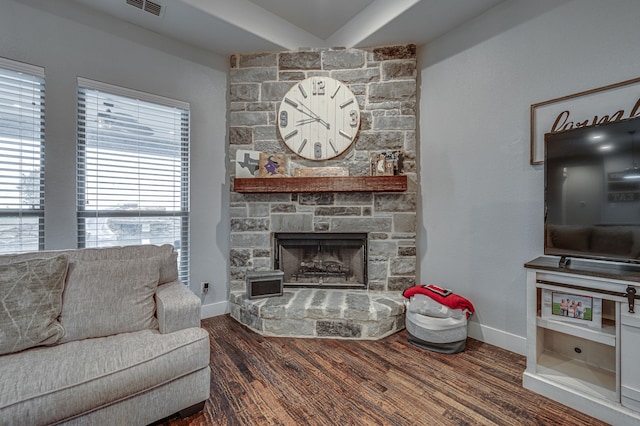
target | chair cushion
[
  {"x": 47, "y": 385},
  {"x": 168, "y": 269},
  {"x": 30, "y": 303},
  {"x": 107, "y": 297}
]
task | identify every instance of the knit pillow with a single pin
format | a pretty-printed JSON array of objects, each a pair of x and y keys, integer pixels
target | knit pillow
[
  {"x": 30, "y": 303},
  {"x": 108, "y": 297}
]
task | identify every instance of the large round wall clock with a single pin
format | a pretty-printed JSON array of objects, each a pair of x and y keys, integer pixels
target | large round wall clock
[{"x": 319, "y": 118}]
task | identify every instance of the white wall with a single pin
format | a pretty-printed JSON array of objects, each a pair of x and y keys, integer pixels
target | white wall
[
  {"x": 124, "y": 55},
  {"x": 482, "y": 203}
]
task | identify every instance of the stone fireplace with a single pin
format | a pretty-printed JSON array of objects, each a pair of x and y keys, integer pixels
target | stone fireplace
[
  {"x": 321, "y": 260},
  {"x": 370, "y": 305}
]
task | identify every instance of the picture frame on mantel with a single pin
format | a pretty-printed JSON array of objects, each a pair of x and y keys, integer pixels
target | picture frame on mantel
[{"x": 614, "y": 102}]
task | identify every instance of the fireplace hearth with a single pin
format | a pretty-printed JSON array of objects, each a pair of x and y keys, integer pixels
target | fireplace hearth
[{"x": 327, "y": 260}]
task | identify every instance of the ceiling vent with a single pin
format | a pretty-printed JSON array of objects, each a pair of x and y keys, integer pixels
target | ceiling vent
[{"x": 148, "y": 6}]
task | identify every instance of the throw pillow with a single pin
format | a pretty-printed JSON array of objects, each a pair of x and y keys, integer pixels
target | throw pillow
[
  {"x": 168, "y": 269},
  {"x": 30, "y": 303},
  {"x": 109, "y": 297}
]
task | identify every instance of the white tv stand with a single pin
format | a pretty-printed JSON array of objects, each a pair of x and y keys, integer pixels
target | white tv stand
[{"x": 591, "y": 366}]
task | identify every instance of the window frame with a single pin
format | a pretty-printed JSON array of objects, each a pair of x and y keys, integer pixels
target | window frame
[
  {"x": 83, "y": 213},
  {"x": 38, "y": 73}
]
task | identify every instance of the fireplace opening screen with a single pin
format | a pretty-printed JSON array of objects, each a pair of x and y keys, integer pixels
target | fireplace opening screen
[{"x": 327, "y": 260}]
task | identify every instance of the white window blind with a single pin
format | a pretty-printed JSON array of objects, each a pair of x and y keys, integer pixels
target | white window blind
[
  {"x": 21, "y": 157},
  {"x": 132, "y": 169}
]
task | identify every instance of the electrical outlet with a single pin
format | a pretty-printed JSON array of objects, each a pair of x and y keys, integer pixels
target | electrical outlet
[{"x": 205, "y": 287}]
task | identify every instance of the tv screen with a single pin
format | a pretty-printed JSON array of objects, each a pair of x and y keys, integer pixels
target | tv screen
[{"x": 592, "y": 192}]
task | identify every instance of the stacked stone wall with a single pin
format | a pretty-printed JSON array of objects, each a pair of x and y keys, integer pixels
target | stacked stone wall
[{"x": 385, "y": 84}]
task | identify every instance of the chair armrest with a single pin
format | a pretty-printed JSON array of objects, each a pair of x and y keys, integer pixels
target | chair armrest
[{"x": 176, "y": 307}]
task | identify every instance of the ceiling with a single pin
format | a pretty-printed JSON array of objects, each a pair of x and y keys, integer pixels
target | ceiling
[{"x": 232, "y": 26}]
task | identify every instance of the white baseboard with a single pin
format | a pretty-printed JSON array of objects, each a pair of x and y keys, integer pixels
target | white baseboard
[
  {"x": 214, "y": 309},
  {"x": 500, "y": 338}
]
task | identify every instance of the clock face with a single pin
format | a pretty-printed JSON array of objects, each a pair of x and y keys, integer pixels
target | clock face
[{"x": 319, "y": 118}]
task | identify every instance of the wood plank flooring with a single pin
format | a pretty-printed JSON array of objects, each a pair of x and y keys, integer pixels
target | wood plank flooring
[{"x": 260, "y": 380}]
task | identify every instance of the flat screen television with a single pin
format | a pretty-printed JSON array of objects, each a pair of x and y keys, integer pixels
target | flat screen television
[{"x": 592, "y": 192}]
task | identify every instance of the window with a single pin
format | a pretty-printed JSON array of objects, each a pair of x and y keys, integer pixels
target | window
[
  {"x": 132, "y": 169},
  {"x": 21, "y": 157}
]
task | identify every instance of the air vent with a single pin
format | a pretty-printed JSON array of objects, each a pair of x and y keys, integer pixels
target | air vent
[
  {"x": 152, "y": 7},
  {"x": 146, "y": 5},
  {"x": 136, "y": 3}
]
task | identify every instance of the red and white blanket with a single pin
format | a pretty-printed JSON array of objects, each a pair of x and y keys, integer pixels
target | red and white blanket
[{"x": 441, "y": 295}]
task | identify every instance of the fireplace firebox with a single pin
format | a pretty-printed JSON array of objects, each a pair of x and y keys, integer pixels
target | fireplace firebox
[{"x": 327, "y": 260}]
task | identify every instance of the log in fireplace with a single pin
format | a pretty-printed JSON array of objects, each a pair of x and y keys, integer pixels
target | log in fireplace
[{"x": 327, "y": 260}]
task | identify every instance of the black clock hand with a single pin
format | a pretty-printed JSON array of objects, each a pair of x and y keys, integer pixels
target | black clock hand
[
  {"x": 312, "y": 114},
  {"x": 312, "y": 119},
  {"x": 316, "y": 116},
  {"x": 305, "y": 121},
  {"x": 307, "y": 114}
]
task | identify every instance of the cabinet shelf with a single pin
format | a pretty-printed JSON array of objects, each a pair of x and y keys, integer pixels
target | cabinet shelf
[
  {"x": 577, "y": 375},
  {"x": 605, "y": 335},
  {"x": 321, "y": 184}
]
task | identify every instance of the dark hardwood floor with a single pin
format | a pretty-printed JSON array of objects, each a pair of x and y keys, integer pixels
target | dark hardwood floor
[{"x": 260, "y": 380}]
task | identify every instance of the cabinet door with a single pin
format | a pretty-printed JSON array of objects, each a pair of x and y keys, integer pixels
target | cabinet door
[{"x": 630, "y": 358}]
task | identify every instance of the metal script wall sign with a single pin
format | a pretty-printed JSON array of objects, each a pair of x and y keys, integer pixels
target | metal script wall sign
[{"x": 606, "y": 104}]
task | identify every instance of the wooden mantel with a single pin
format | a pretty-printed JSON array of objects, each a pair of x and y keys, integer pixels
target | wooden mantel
[{"x": 321, "y": 184}]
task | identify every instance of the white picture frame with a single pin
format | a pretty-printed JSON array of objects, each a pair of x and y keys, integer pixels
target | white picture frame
[
  {"x": 550, "y": 297},
  {"x": 615, "y": 102}
]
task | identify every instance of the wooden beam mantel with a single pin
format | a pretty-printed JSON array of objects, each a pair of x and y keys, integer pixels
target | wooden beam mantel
[{"x": 321, "y": 184}]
